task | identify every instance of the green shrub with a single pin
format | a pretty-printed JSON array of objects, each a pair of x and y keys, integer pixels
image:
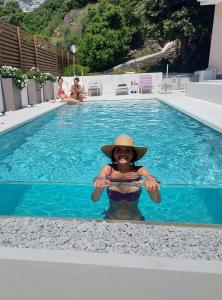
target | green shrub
[
  {"x": 19, "y": 79},
  {"x": 35, "y": 73},
  {"x": 49, "y": 76},
  {"x": 69, "y": 71}
]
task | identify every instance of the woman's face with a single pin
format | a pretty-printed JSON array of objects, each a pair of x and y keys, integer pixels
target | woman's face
[
  {"x": 123, "y": 155},
  {"x": 60, "y": 81}
]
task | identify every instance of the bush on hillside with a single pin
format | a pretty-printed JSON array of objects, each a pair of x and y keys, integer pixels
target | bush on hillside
[
  {"x": 69, "y": 71},
  {"x": 106, "y": 39},
  {"x": 12, "y": 13}
]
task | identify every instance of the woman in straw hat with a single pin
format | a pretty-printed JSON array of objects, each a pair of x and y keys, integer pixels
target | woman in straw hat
[{"x": 123, "y": 180}]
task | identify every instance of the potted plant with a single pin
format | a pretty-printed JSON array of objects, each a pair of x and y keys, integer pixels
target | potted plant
[
  {"x": 49, "y": 86},
  {"x": 35, "y": 85},
  {"x": 13, "y": 81}
]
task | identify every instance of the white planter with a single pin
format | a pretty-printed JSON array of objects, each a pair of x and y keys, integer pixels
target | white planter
[
  {"x": 12, "y": 95},
  {"x": 2, "y": 109},
  {"x": 42, "y": 95},
  {"x": 25, "y": 100},
  {"x": 48, "y": 90},
  {"x": 34, "y": 92},
  {"x": 55, "y": 86}
]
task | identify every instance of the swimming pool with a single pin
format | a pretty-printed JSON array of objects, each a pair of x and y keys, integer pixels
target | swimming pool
[{"x": 62, "y": 148}]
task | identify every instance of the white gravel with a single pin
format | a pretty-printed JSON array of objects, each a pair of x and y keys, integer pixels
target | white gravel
[{"x": 112, "y": 237}]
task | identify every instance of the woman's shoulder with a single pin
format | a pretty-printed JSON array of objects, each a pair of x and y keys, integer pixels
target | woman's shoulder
[
  {"x": 107, "y": 167},
  {"x": 137, "y": 168}
]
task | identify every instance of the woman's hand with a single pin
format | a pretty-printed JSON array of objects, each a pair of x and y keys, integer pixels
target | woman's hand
[
  {"x": 100, "y": 182},
  {"x": 151, "y": 184}
]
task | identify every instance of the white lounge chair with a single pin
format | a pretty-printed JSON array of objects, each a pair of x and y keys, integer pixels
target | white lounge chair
[
  {"x": 95, "y": 89},
  {"x": 122, "y": 89}
]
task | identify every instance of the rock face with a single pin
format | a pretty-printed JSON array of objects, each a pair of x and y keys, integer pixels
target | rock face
[
  {"x": 168, "y": 52},
  {"x": 29, "y": 5}
]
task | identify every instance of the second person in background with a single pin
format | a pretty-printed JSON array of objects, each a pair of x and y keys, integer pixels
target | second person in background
[{"x": 76, "y": 91}]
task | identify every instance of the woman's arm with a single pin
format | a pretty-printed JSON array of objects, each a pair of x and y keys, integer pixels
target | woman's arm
[
  {"x": 100, "y": 182},
  {"x": 152, "y": 186},
  {"x": 58, "y": 93}
]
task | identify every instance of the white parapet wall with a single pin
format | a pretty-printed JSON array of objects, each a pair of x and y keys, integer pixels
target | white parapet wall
[
  {"x": 215, "y": 60},
  {"x": 206, "y": 90},
  {"x": 28, "y": 274},
  {"x": 110, "y": 82}
]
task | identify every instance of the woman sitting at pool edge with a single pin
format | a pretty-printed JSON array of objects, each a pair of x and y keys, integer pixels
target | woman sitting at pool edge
[
  {"x": 62, "y": 95},
  {"x": 123, "y": 180},
  {"x": 76, "y": 91}
]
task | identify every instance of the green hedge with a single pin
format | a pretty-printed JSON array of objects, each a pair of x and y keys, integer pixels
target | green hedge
[{"x": 69, "y": 71}]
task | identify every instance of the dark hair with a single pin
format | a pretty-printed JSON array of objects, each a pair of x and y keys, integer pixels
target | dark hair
[
  {"x": 59, "y": 78},
  {"x": 132, "y": 161},
  {"x": 77, "y": 78}
]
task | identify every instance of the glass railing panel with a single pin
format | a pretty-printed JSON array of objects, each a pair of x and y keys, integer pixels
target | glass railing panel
[{"x": 179, "y": 203}]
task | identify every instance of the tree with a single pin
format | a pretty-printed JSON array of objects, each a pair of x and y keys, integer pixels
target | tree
[
  {"x": 183, "y": 20},
  {"x": 12, "y": 13},
  {"x": 106, "y": 38},
  {"x": 133, "y": 21},
  {"x": 178, "y": 19}
]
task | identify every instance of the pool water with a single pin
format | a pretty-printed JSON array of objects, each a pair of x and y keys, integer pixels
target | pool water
[{"x": 63, "y": 147}]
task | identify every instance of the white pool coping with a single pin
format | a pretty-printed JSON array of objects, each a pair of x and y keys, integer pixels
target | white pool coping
[
  {"x": 204, "y": 111},
  {"x": 14, "y": 119},
  {"x": 51, "y": 274}
]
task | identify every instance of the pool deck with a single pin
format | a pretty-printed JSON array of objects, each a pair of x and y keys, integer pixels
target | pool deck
[
  {"x": 185, "y": 260},
  {"x": 206, "y": 112},
  {"x": 17, "y": 118}
]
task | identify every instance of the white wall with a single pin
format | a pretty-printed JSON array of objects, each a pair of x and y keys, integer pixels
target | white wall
[
  {"x": 54, "y": 275},
  {"x": 109, "y": 82},
  {"x": 209, "y": 91},
  {"x": 215, "y": 59}
]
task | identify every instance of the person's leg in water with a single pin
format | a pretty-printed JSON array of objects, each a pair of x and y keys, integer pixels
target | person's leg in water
[
  {"x": 77, "y": 97},
  {"x": 69, "y": 100}
]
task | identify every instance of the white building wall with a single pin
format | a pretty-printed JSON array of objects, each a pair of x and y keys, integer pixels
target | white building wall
[{"x": 215, "y": 59}]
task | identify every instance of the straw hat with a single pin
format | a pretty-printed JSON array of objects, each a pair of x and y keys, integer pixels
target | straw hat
[{"x": 124, "y": 141}]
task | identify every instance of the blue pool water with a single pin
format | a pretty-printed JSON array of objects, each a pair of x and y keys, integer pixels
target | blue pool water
[{"x": 63, "y": 146}]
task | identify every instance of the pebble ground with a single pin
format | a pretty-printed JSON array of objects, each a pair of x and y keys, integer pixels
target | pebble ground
[{"x": 112, "y": 237}]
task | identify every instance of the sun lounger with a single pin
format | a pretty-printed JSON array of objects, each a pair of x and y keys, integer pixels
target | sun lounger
[
  {"x": 145, "y": 84},
  {"x": 122, "y": 89},
  {"x": 95, "y": 89}
]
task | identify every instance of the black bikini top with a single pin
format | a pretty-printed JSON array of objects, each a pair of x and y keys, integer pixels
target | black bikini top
[{"x": 118, "y": 196}]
